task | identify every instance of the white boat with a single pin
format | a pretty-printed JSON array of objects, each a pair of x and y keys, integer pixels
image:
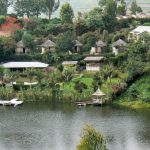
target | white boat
[{"x": 14, "y": 102}]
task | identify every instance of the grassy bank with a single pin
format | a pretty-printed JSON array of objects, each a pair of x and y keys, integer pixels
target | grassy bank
[{"x": 137, "y": 95}]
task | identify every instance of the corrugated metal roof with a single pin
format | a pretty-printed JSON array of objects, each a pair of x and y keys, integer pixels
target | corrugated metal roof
[
  {"x": 94, "y": 58},
  {"x": 24, "y": 65},
  {"x": 141, "y": 29},
  {"x": 69, "y": 62}
]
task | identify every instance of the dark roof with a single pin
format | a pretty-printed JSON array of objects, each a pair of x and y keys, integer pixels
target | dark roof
[
  {"x": 48, "y": 43},
  {"x": 20, "y": 44},
  {"x": 100, "y": 43},
  {"x": 77, "y": 43},
  {"x": 120, "y": 43}
]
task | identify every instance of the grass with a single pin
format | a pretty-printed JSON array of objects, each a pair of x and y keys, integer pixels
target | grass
[{"x": 143, "y": 88}]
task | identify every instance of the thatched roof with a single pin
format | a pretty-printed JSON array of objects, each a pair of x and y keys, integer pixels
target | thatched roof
[
  {"x": 77, "y": 43},
  {"x": 120, "y": 43},
  {"x": 48, "y": 43},
  {"x": 98, "y": 93},
  {"x": 20, "y": 44},
  {"x": 95, "y": 59},
  {"x": 100, "y": 43}
]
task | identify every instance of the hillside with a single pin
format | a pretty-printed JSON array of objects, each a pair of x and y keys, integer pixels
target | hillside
[{"x": 138, "y": 94}]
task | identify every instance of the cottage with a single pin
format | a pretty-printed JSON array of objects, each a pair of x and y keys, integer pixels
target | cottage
[
  {"x": 77, "y": 46},
  {"x": 119, "y": 46},
  {"x": 137, "y": 31},
  {"x": 21, "y": 48},
  {"x": 99, "y": 47},
  {"x": 21, "y": 66},
  {"x": 94, "y": 63},
  {"x": 67, "y": 64},
  {"x": 47, "y": 46}
]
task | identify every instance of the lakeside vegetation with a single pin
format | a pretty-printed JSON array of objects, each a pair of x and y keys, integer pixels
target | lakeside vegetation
[{"x": 119, "y": 76}]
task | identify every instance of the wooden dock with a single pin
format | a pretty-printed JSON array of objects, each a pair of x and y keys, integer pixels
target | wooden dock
[{"x": 87, "y": 103}]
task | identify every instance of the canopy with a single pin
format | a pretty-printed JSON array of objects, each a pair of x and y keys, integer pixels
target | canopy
[{"x": 98, "y": 93}]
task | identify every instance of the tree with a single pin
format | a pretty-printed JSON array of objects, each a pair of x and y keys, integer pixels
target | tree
[
  {"x": 64, "y": 42},
  {"x": 30, "y": 7},
  {"x": 121, "y": 10},
  {"x": 97, "y": 81},
  {"x": 91, "y": 140},
  {"x": 109, "y": 17},
  {"x": 80, "y": 86},
  {"x": 68, "y": 74},
  {"x": 135, "y": 8},
  {"x": 51, "y": 6},
  {"x": 93, "y": 19},
  {"x": 28, "y": 41},
  {"x": 66, "y": 14},
  {"x": 4, "y": 4}
]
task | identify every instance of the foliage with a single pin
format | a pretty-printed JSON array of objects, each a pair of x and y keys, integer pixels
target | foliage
[
  {"x": 109, "y": 17},
  {"x": 91, "y": 140},
  {"x": 135, "y": 8},
  {"x": 64, "y": 42},
  {"x": 66, "y": 14},
  {"x": 80, "y": 86},
  {"x": 28, "y": 41}
]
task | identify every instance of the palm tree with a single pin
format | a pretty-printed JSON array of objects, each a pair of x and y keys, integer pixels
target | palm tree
[{"x": 107, "y": 72}]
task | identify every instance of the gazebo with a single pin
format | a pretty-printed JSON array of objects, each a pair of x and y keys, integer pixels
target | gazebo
[
  {"x": 98, "y": 97},
  {"x": 47, "y": 46}
]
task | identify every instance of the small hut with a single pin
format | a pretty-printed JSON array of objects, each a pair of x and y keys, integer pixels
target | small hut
[
  {"x": 94, "y": 63},
  {"x": 119, "y": 46},
  {"x": 21, "y": 48},
  {"x": 77, "y": 46},
  {"x": 98, "y": 97},
  {"x": 99, "y": 46},
  {"x": 47, "y": 46}
]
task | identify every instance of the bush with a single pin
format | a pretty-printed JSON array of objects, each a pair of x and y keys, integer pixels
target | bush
[
  {"x": 91, "y": 140},
  {"x": 2, "y": 20}
]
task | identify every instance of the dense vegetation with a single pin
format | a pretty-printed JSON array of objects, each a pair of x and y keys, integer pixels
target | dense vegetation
[{"x": 74, "y": 84}]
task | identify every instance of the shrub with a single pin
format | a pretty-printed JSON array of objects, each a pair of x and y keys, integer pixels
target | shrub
[{"x": 91, "y": 140}]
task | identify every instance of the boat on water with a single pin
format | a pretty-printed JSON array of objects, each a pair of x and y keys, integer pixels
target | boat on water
[{"x": 13, "y": 102}]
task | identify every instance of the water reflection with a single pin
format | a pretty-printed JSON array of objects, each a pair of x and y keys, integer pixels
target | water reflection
[{"x": 46, "y": 126}]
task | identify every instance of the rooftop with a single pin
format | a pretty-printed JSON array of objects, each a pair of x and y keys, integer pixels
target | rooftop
[
  {"x": 141, "y": 29},
  {"x": 48, "y": 43},
  {"x": 77, "y": 43},
  {"x": 120, "y": 42},
  {"x": 98, "y": 93},
  {"x": 24, "y": 65},
  {"x": 94, "y": 59},
  {"x": 69, "y": 62},
  {"x": 100, "y": 43},
  {"x": 20, "y": 44}
]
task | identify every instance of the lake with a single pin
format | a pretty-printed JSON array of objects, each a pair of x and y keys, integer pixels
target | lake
[{"x": 47, "y": 126}]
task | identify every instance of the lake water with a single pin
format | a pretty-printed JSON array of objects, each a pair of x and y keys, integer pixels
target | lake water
[{"x": 46, "y": 126}]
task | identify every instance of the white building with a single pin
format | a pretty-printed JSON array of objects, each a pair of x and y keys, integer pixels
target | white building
[
  {"x": 137, "y": 31},
  {"x": 94, "y": 63},
  {"x": 20, "y": 66}
]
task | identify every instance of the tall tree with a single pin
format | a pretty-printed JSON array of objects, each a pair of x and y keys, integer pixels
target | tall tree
[
  {"x": 66, "y": 13},
  {"x": 52, "y": 6},
  {"x": 135, "y": 8},
  {"x": 121, "y": 10},
  {"x": 4, "y": 4},
  {"x": 110, "y": 12}
]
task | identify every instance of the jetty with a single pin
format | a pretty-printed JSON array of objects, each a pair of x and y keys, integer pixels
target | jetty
[
  {"x": 14, "y": 102},
  {"x": 98, "y": 99}
]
